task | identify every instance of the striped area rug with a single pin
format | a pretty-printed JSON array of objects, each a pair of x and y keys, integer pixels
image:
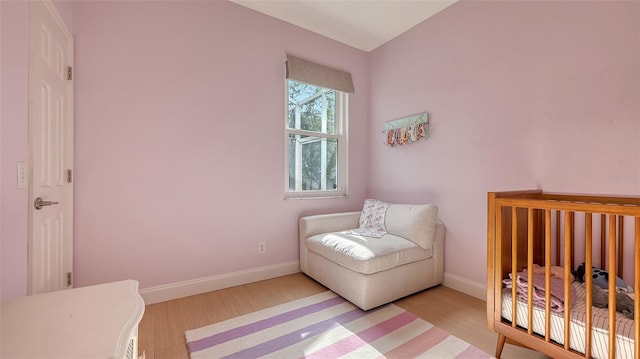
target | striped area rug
[{"x": 327, "y": 326}]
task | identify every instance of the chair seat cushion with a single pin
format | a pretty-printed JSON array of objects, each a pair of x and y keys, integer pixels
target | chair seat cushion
[{"x": 366, "y": 254}]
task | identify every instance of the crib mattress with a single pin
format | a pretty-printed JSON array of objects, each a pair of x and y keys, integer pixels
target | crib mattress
[{"x": 599, "y": 337}]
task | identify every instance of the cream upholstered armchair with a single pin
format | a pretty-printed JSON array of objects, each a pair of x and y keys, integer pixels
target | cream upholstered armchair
[{"x": 374, "y": 259}]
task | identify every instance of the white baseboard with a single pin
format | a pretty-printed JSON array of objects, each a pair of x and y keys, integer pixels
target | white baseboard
[
  {"x": 465, "y": 286},
  {"x": 202, "y": 285}
]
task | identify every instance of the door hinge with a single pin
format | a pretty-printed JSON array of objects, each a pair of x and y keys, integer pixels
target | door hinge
[
  {"x": 69, "y": 176},
  {"x": 69, "y": 73},
  {"x": 69, "y": 279}
]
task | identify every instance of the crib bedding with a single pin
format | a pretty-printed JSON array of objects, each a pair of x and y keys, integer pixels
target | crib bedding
[{"x": 600, "y": 322}]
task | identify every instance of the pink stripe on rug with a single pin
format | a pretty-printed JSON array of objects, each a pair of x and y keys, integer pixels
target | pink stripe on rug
[{"x": 361, "y": 339}]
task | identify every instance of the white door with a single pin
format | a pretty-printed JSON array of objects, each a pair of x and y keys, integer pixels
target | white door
[{"x": 51, "y": 150}]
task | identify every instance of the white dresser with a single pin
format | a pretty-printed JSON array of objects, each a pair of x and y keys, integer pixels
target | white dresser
[{"x": 99, "y": 321}]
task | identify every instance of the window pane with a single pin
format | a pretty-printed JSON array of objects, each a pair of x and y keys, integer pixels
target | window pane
[
  {"x": 331, "y": 112},
  {"x": 311, "y": 108},
  {"x": 312, "y": 163}
]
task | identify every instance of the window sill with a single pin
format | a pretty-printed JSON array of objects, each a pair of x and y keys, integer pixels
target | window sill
[{"x": 315, "y": 195}]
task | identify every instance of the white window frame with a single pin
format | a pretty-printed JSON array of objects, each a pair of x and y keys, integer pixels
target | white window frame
[{"x": 341, "y": 126}]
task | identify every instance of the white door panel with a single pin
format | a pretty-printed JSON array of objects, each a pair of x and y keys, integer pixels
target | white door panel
[{"x": 51, "y": 149}]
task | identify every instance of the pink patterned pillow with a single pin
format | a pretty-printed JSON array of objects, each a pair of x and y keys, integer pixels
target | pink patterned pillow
[{"x": 372, "y": 218}]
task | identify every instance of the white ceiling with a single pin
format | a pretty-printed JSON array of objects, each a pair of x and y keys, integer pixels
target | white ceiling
[{"x": 363, "y": 24}]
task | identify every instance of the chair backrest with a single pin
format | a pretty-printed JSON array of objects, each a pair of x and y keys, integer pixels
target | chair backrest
[{"x": 416, "y": 223}]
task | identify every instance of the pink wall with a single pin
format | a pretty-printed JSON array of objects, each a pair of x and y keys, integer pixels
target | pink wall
[
  {"x": 179, "y": 139},
  {"x": 521, "y": 95},
  {"x": 13, "y": 147},
  {"x": 1, "y": 179}
]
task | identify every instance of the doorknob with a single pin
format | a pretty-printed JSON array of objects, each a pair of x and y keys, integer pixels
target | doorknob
[{"x": 39, "y": 203}]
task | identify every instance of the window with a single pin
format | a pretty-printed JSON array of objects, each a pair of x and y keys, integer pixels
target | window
[
  {"x": 316, "y": 129},
  {"x": 316, "y": 141}
]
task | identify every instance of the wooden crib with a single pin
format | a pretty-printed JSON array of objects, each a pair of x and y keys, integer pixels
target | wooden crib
[{"x": 558, "y": 232}]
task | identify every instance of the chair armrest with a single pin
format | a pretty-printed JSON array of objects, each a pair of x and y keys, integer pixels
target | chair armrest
[
  {"x": 322, "y": 223},
  {"x": 325, "y": 223}
]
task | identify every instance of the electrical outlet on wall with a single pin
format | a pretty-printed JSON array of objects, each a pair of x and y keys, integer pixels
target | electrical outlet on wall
[{"x": 262, "y": 247}]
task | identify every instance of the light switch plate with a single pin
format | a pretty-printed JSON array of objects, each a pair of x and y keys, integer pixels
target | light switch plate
[{"x": 22, "y": 175}]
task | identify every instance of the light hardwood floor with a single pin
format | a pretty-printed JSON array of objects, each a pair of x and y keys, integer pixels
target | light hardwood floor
[{"x": 161, "y": 331}]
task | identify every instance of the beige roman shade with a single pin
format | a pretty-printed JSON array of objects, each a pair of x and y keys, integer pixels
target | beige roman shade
[{"x": 312, "y": 73}]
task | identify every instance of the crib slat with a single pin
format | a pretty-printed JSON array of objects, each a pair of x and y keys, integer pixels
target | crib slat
[
  {"x": 572, "y": 216},
  {"x": 568, "y": 226},
  {"x": 547, "y": 274},
  {"x": 514, "y": 265},
  {"x": 603, "y": 233},
  {"x": 620, "y": 245},
  {"x": 491, "y": 265},
  {"x": 530, "y": 268},
  {"x": 557, "y": 238},
  {"x": 636, "y": 290},
  {"x": 588, "y": 281},
  {"x": 498, "y": 268},
  {"x": 612, "y": 287}
]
